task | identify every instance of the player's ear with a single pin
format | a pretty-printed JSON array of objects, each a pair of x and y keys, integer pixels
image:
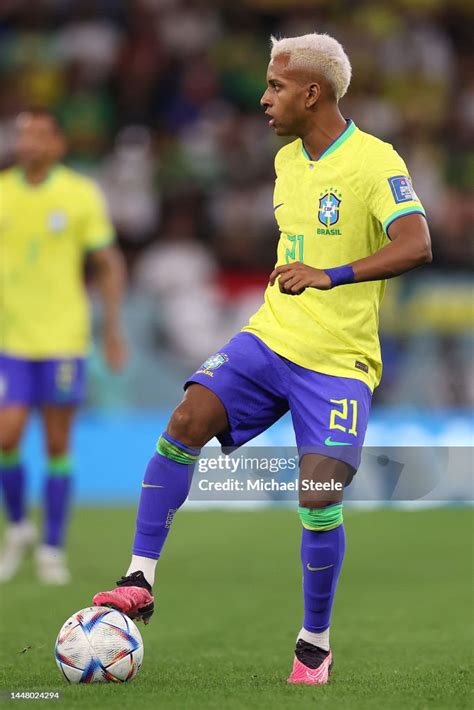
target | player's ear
[{"x": 312, "y": 94}]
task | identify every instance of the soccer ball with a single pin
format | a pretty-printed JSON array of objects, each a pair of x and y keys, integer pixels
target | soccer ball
[{"x": 99, "y": 645}]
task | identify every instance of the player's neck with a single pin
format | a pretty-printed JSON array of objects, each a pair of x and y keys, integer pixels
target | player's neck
[
  {"x": 320, "y": 135},
  {"x": 35, "y": 175}
]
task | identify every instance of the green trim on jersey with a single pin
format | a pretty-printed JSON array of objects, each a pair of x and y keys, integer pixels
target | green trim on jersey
[
  {"x": 102, "y": 244},
  {"x": 401, "y": 213},
  {"x": 305, "y": 152},
  {"x": 337, "y": 207},
  {"x": 346, "y": 133}
]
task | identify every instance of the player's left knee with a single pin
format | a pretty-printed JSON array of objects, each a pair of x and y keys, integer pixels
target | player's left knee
[
  {"x": 57, "y": 447},
  {"x": 321, "y": 519}
]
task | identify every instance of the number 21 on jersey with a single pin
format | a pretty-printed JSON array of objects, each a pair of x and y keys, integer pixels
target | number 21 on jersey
[{"x": 295, "y": 250}]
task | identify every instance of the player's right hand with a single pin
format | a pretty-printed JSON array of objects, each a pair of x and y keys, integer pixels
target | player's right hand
[
  {"x": 294, "y": 278},
  {"x": 115, "y": 349}
]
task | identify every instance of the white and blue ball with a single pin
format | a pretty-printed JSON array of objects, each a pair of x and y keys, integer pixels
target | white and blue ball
[{"x": 99, "y": 645}]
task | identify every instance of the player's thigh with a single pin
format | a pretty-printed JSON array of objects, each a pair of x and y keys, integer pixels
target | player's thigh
[
  {"x": 250, "y": 381},
  {"x": 13, "y": 419},
  {"x": 17, "y": 382},
  {"x": 57, "y": 424},
  {"x": 330, "y": 415},
  {"x": 16, "y": 399},
  {"x": 60, "y": 388}
]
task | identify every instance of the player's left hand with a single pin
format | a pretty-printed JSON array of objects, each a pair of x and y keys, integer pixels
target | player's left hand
[
  {"x": 294, "y": 278},
  {"x": 115, "y": 349}
]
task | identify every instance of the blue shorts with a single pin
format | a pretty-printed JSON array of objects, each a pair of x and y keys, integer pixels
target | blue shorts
[
  {"x": 257, "y": 386},
  {"x": 38, "y": 382}
]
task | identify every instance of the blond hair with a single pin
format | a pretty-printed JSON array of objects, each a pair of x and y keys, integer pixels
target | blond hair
[{"x": 318, "y": 53}]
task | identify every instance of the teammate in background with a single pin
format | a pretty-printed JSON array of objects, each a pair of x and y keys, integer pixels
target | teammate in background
[
  {"x": 348, "y": 219},
  {"x": 51, "y": 218}
]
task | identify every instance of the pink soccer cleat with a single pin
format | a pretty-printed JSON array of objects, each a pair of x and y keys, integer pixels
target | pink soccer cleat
[
  {"x": 312, "y": 665},
  {"x": 132, "y": 596}
]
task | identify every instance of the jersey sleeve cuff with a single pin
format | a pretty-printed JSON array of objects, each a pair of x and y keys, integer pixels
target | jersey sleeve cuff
[
  {"x": 402, "y": 213},
  {"x": 101, "y": 243}
]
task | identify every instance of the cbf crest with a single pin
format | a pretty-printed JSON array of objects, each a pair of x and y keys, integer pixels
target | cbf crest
[
  {"x": 57, "y": 221},
  {"x": 215, "y": 361},
  {"x": 212, "y": 363},
  {"x": 329, "y": 206}
]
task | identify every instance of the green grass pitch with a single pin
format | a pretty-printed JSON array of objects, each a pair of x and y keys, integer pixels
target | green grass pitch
[{"x": 229, "y": 606}]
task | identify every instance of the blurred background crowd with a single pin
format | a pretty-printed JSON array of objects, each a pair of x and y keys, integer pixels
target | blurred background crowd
[{"x": 160, "y": 103}]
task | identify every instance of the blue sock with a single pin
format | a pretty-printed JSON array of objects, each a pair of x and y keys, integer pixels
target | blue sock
[
  {"x": 57, "y": 494},
  {"x": 322, "y": 553},
  {"x": 12, "y": 478},
  {"x": 164, "y": 489}
]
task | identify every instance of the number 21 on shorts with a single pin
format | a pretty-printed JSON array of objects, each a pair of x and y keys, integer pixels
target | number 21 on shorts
[{"x": 344, "y": 416}]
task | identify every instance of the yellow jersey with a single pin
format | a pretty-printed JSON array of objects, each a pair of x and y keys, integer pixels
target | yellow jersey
[
  {"x": 45, "y": 232},
  {"x": 331, "y": 212}
]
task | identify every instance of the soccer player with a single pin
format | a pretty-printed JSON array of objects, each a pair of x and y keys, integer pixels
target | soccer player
[
  {"x": 348, "y": 219},
  {"x": 51, "y": 218}
]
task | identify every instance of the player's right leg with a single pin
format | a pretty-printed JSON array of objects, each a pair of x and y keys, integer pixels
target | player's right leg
[
  {"x": 235, "y": 395},
  {"x": 200, "y": 416},
  {"x": 20, "y": 533}
]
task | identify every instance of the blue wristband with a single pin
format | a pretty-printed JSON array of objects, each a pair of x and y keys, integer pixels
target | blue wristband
[{"x": 341, "y": 275}]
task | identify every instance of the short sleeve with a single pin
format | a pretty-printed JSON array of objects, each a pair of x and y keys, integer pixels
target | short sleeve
[
  {"x": 391, "y": 194},
  {"x": 96, "y": 228}
]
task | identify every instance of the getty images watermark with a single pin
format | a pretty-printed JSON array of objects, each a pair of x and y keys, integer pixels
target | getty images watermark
[
  {"x": 252, "y": 465},
  {"x": 384, "y": 474}
]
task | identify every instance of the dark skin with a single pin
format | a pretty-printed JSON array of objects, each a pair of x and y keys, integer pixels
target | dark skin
[
  {"x": 39, "y": 146},
  {"x": 301, "y": 104},
  {"x": 109, "y": 275}
]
